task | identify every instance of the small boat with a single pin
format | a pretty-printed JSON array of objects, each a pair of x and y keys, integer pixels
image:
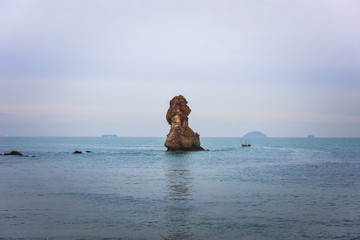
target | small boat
[{"x": 246, "y": 144}]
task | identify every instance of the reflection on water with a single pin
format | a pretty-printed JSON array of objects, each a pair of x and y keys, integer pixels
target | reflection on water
[{"x": 178, "y": 189}]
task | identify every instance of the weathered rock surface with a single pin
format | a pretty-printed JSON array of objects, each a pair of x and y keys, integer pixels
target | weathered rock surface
[{"x": 181, "y": 136}]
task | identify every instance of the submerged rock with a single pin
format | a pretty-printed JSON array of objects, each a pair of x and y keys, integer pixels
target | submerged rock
[
  {"x": 181, "y": 136},
  {"x": 14, "y": 153},
  {"x": 88, "y": 151}
]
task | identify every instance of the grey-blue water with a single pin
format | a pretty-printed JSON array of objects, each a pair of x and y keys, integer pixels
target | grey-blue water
[{"x": 131, "y": 188}]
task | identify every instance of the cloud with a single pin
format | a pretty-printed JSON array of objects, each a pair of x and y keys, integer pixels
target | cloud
[
  {"x": 55, "y": 117},
  {"x": 165, "y": 38},
  {"x": 102, "y": 62},
  {"x": 5, "y": 115}
]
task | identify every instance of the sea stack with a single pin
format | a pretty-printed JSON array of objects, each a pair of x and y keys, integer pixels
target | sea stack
[{"x": 181, "y": 137}]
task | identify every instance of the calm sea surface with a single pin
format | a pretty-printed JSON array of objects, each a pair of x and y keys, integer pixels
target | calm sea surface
[{"x": 131, "y": 188}]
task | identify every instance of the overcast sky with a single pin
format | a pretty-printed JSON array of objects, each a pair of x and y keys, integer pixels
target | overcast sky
[{"x": 87, "y": 68}]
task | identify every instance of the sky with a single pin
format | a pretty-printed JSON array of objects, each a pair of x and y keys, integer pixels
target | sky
[{"x": 88, "y": 68}]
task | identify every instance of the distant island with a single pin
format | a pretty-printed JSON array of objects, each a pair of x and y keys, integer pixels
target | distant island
[
  {"x": 310, "y": 136},
  {"x": 255, "y": 134},
  {"x": 109, "y": 135}
]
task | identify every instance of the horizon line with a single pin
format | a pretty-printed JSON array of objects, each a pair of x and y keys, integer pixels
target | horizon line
[{"x": 97, "y": 136}]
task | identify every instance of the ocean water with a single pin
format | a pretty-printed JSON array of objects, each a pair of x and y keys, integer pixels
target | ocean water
[{"x": 131, "y": 188}]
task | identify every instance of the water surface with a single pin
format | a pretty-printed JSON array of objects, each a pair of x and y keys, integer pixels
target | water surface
[{"x": 131, "y": 188}]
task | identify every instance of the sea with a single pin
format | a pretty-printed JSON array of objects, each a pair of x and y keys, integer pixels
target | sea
[{"x": 132, "y": 188}]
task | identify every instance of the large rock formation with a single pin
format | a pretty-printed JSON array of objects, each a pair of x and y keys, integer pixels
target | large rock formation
[{"x": 181, "y": 137}]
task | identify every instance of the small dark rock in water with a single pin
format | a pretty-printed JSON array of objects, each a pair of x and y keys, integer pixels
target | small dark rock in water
[
  {"x": 33, "y": 156},
  {"x": 13, "y": 153},
  {"x": 88, "y": 151},
  {"x": 77, "y": 152}
]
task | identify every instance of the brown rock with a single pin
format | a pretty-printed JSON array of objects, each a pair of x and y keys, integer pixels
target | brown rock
[{"x": 181, "y": 137}]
